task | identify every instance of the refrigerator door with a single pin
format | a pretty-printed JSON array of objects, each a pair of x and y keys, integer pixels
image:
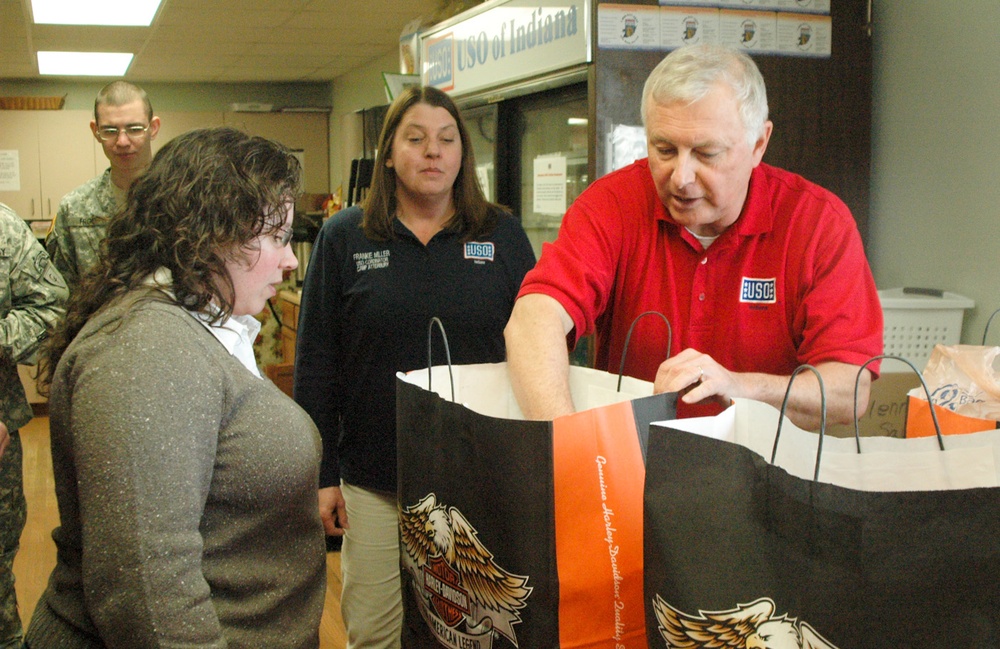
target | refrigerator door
[
  {"x": 553, "y": 167},
  {"x": 481, "y": 122}
]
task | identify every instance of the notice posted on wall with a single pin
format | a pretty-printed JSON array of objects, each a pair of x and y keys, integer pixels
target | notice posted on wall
[
  {"x": 795, "y": 6},
  {"x": 634, "y": 27},
  {"x": 10, "y": 171},
  {"x": 669, "y": 26},
  {"x": 550, "y": 185},
  {"x": 626, "y": 144},
  {"x": 483, "y": 175}
]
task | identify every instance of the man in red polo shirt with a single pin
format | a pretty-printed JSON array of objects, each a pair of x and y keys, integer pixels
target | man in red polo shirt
[{"x": 758, "y": 270}]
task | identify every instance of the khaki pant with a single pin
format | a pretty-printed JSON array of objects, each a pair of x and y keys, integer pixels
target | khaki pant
[
  {"x": 371, "y": 603},
  {"x": 13, "y": 513}
]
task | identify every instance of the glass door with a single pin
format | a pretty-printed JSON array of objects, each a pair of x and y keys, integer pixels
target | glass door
[
  {"x": 481, "y": 123},
  {"x": 548, "y": 166},
  {"x": 553, "y": 158}
]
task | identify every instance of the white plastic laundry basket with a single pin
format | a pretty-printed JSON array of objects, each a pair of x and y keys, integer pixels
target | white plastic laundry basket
[{"x": 915, "y": 322}]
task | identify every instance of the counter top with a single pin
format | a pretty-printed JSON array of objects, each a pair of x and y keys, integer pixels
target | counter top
[{"x": 290, "y": 295}]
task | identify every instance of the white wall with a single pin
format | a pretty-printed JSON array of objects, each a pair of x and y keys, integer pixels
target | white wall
[
  {"x": 358, "y": 89},
  {"x": 935, "y": 217}
]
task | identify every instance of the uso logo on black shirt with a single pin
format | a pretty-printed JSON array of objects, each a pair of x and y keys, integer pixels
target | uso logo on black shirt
[{"x": 479, "y": 251}]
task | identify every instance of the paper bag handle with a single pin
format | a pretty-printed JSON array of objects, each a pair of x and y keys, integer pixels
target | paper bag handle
[
  {"x": 822, "y": 415},
  {"x": 628, "y": 337},
  {"x": 857, "y": 383},
  {"x": 447, "y": 353},
  {"x": 986, "y": 329}
]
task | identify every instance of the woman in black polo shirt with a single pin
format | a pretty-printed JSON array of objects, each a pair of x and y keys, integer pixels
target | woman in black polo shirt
[{"x": 425, "y": 243}]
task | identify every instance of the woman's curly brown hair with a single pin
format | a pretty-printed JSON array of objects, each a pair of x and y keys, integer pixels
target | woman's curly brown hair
[{"x": 207, "y": 194}]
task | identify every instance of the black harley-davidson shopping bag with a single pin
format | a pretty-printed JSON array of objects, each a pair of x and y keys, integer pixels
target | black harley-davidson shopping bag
[
  {"x": 745, "y": 546},
  {"x": 521, "y": 533}
]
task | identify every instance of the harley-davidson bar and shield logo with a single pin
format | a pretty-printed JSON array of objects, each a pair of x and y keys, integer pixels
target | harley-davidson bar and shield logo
[
  {"x": 464, "y": 596},
  {"x": 447, "y": 595}
]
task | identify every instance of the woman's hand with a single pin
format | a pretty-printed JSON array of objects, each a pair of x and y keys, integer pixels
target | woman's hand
[{"x": 333, "y": 511}]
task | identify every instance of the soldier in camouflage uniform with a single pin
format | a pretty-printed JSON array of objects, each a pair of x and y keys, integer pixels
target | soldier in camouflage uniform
[
  {"x": 32, "y": 295},
  {"x": 125, "y": 126}
]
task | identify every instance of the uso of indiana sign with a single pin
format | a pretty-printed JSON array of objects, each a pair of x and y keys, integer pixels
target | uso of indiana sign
[{"x": 505, "y": 42}]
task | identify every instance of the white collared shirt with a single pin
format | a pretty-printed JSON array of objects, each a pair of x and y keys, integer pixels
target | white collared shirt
[{"x": 236, "y": 333}]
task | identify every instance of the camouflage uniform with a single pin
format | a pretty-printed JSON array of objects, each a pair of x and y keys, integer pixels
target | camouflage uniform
[
  {"x": 32, "y": 295},
  {"x": 79, "y": 226}
]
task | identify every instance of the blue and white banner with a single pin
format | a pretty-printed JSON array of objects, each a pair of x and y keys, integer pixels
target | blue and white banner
[{"x": 506, "y": 42}]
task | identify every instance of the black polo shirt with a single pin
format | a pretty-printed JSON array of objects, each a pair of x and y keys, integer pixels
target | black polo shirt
[{"x": 364, "y": 316}]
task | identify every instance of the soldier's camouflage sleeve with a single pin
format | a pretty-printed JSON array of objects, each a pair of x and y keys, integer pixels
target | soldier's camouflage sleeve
[
  {"x": 59, "y": 245},
  {"x": 32, "y": 300},
  {"x": 80, "y": 224}
]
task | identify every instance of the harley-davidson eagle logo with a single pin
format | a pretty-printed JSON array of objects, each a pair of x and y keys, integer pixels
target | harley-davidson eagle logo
[
  {"x": 463, "y": 595},
  {"x": 748, "y": 626}
]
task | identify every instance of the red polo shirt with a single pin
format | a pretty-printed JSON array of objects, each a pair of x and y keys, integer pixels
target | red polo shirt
[{"x": 787, "y": 284}]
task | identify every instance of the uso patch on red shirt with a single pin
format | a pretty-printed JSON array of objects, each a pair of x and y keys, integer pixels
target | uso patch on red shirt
[{"x": 758, "y": 291}]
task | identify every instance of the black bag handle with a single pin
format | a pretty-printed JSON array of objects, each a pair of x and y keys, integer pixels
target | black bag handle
[
  {"x": 822, "y": 416},
  {"x": 857, "y": 382},
  {"x": 986, "y": 329},
  {"x": 628, "y": 337},
  {"x": 447, "y": 353}
]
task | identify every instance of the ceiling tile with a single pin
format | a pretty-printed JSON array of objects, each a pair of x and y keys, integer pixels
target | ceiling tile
[{"x": 226, "y": 40}]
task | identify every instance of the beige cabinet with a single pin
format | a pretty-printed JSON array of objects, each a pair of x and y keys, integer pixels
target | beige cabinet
[
  {"x": 307, "y": 133},
  {"x": 174, "y": 123},
  {"x": 56, "y": 153},
  {"x": 288, "y": 303}
]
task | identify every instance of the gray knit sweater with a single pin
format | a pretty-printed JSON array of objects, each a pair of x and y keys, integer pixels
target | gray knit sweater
[{"x": 187, "y": 494}]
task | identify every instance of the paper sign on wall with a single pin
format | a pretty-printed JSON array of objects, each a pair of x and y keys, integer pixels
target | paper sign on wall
[
  {"x": 626, "y": 144},
  {"x": 10, "y": 171},
  {"x": 806, "y": 33},
  {"x": 550, "y": 185},
  {"x": 483, "y": 175}
]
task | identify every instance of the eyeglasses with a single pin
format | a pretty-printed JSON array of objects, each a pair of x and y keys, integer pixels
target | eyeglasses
[{"x": 111, "y": 133}]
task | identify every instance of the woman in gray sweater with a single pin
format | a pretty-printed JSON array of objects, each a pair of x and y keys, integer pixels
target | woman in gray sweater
[{"x": 186, "y": 482}]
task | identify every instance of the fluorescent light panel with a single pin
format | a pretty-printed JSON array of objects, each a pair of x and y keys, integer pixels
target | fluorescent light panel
[
  {"x": 95, "y": 12},
  {"x": 92, "y": 64}
]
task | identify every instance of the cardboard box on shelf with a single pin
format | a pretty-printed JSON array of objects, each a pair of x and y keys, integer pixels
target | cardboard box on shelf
[{"x": 886, "y": 412}]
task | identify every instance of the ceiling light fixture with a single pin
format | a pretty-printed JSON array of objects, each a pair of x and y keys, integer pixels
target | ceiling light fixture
[
  {"x": 90, "y": 64},
  {"x": 95, "y": 12}
]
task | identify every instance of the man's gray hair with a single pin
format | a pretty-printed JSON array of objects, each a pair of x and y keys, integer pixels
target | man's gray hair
[{"x": 687, "y": 74}]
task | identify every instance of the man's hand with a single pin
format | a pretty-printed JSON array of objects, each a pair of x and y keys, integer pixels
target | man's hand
[
  {"x": 697, "y": 378},
  {"x": 333, "y": 511}
]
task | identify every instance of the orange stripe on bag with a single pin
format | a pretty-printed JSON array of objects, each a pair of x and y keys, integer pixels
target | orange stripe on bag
[
  {"x": 598, "y": 482},
  {"x": 920, "y": 424}
]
